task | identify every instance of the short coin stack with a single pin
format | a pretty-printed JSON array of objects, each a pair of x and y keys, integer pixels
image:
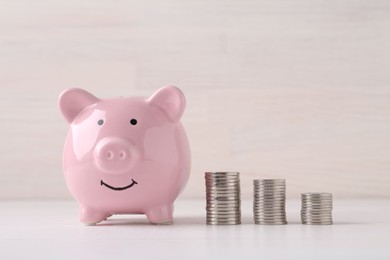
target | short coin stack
[
  {"x": 269, "y": 201},
  {"x": 316, "y": 208},
  {"x": 223, "y": 198}
]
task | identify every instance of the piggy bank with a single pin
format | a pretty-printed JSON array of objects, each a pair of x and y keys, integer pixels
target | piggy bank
[{"x": 125, "y": 155}]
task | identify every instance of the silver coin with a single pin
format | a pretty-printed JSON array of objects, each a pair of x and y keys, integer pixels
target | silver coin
[
  {"x": 220, "y": 221},
  {"x": 267, "y": 216},
  {"x": 226, "y": 212},
  {"x": 220, "y": 186},
  {"x": 223, "y": 216},
  {"x": 221, "y": 198},
  {"x": 270, "y": 217},
  {"x": 213, "y": 198},
  {"x": 223, "y": 213},
  {"x": 223, "y": 206},
  {"x": 268, "y": 186},
  {"x": 269, "y": 213},
  {"x": 222, "y": 172},
  {"x": 222, "y": 182},
  {"x": 311, "y": 202},
  {"x": 314, "y": 211},
  {"x": 223, "y": 210},
  {"x": 223, "y": 193},
  {"x": 262, "y": 216},
  {"x": 269, "y": 191},
  {"x": 221, "y": 176},
  {"x": 235, "y": 186},
  {"x": 270, "y": 222},
  {"x": 304, "y": 206},
  {"x": 316, "y": 219},
  {"x": 271, "y": 206},
  {"x": 221, "y": 190},
  {"x": 220, "y": 215},
  {"x": 261, "y": 197},
  {"x": 316, "y": 201},
  {"x": 232, "y": 185},
  {"x": 317, "y": 194},
  {"x": 223, "y": 179},
  {"x": 269, "y": 209},
  {"x": 316, "y": 216},
  {"x": 217, "y": 189},
  {"x": 223, "y": 219},
  {"x": 268, "y": 180},
  {"x": 322, "y": 223},
  {"x": 268, "y": 200},
  {"x": 223, "y": 222},
  {"x": 317, "y": 209},
  {"x": 317, "y": 206}
]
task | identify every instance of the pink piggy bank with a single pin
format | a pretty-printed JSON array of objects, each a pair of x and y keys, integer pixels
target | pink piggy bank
[{"x": 125, "y": 155}]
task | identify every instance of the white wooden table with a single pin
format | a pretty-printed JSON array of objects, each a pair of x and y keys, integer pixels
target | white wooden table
[{"x": 50, "y": 230}]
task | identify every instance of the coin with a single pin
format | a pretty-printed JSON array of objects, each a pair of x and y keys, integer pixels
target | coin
[
  {"x": 269, "y": 199},
  {"x": 316, "y": 208},
  {"x": 223, "y": 198}
]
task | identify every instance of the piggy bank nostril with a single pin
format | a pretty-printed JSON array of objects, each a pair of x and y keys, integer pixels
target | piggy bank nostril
[
  {"x": 110, "y": 155},
  {"x": 122, "y": 155}
]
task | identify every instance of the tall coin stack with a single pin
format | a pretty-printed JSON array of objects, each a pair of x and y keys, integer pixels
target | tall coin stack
[
  {"x": 269, "y": 201},
  {"x": 316, "y": 208},
  {"x": 223, "y": 198}
]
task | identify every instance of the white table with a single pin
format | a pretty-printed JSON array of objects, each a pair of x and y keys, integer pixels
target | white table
[{"x": 50, "y": 230}]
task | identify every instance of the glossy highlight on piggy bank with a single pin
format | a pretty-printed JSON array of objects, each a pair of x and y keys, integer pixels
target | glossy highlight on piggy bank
[{"x": 125, "y": 155}]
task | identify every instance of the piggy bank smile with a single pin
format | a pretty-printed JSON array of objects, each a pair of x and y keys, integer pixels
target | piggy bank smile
[{"x": 102, "y": 183}]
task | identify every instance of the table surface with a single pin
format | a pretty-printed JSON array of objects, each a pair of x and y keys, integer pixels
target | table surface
[{"x": 50, "y": 230}]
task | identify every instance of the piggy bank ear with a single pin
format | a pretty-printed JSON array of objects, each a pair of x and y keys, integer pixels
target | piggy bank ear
[
  {"x": 73, "y": 101},
  {"x": 169, "y": 102}
]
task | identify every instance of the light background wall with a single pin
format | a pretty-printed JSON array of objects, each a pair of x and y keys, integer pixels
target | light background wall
[{"x": 295, "y": 89}]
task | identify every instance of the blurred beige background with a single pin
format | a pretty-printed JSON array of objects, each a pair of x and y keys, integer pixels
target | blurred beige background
[{"x": 295, "y": 89}]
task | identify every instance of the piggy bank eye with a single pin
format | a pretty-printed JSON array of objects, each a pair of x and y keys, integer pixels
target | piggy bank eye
[
  {"x": 100, "y": 122},
  {"x": 133, "y": 121}
]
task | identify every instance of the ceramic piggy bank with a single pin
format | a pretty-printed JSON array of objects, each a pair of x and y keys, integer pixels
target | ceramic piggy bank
[{"x": 125, "y": 155}]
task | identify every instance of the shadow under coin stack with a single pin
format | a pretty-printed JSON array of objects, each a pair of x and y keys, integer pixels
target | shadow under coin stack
[
  {"x": 223, "y": 198},
  {"x": 269, "y": 201},
  {"x": 316, "y": 208}
]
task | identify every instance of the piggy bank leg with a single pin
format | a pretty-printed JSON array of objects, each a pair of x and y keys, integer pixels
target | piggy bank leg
[
  {"x": 161, "y": 214},
  {"x": 90, "y": 216}
]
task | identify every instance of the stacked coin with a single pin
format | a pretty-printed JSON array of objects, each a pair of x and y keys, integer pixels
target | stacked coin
[
  {"x": 223, "y": 198},
  {"x": 269, "y": 201},
  {"x": 316, "y": 208}
]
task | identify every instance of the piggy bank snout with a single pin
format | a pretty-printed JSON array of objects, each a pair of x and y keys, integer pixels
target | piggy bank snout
[{"x": 115, "y": 155}]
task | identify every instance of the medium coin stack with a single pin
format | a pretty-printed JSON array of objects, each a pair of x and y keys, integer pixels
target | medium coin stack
[
  {"x": 316, "y": 208},
  {"x": 269, "y": 201},
  {"x": 223, "y": 198}
]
